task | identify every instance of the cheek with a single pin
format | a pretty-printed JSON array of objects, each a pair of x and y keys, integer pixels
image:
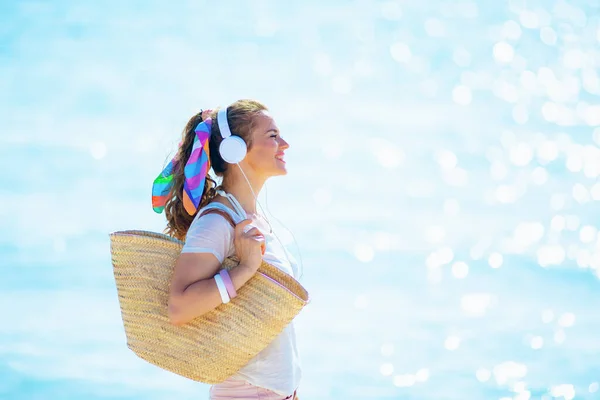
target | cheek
[
  {"x": 262, "y": 154},
  {"x": 267, "y": 149}
]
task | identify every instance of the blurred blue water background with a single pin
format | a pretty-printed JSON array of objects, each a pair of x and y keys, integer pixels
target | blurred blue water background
[{"x": 443, "y": 186}]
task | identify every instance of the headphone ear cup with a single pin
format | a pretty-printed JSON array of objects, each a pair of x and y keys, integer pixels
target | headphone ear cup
[{"x": 233, "y": 149}]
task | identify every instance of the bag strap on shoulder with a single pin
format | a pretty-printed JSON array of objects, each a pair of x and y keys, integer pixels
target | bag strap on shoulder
[{"x": 221, "y": 213}]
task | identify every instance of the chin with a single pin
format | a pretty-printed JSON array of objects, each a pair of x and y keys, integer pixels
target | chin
[{"x": 279, "y": 172}]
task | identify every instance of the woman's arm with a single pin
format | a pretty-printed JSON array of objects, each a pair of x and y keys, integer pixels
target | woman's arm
[{"x": 193, "y": 290}]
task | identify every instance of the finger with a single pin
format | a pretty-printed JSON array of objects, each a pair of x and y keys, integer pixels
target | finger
[
  {"x": 239, "y": 228},
  {"x": 254, "y": 232}
]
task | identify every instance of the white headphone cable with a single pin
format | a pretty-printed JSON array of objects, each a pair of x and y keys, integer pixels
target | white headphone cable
[
  {"x": 255, "y": 198},
  {"x": 301, "y": 272}
]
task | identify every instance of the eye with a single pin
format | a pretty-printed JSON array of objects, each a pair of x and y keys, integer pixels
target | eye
[{"x": 274, "y": 135}]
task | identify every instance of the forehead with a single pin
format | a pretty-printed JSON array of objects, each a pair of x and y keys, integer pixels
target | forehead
[{"x": 264, "y": 121}]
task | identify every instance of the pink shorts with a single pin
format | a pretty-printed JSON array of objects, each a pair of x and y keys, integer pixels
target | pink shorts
[{"x": 242, "y": 390}]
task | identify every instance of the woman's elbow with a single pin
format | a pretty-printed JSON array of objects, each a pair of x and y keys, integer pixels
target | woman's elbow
[{"x": 174, "y": 312}]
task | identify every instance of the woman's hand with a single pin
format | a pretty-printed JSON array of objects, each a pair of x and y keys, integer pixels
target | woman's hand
[{"x": 249, "y": 245}]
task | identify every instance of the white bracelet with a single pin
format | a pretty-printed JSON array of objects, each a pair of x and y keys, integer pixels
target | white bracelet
[{"x": 222, "y": 289}]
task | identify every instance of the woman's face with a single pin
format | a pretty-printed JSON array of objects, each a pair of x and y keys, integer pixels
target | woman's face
[{"x": 266, "y": 156}]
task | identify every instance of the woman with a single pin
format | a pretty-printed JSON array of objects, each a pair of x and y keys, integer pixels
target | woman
[{"x": 235, "y": 228}]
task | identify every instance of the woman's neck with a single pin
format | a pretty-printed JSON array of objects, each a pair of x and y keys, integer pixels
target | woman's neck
[{"x": 236, "y": 185}]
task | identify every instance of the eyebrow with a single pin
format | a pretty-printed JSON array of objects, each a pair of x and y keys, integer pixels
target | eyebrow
[{"x": 273, "y": 130}]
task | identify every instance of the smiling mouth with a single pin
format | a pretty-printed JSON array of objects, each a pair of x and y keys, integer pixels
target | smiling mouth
[{"x": 280, "y": 158}]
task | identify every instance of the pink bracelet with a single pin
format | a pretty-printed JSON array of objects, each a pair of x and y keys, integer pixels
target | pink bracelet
[{"x": 228, "y": 283}]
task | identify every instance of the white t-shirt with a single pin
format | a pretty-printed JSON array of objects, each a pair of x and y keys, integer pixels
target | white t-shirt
[{"x": 277, "y": 367}]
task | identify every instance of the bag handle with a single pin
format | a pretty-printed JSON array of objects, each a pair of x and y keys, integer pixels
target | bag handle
[{"x": 221, "y": 213}]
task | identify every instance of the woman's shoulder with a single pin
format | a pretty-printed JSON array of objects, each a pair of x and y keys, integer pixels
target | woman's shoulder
[
  {"x": 214, "y": 214},
  {"x": 210, "y": 231}
]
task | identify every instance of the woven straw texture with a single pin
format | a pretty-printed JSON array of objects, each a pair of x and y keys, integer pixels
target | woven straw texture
[{"x": 214, "y": 346}]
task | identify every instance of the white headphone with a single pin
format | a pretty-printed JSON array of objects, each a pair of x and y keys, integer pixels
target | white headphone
[{"x": 232, "y": 148}]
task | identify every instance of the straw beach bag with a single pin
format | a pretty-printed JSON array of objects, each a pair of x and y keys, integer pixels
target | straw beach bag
[{"x": 214, "y": 346}]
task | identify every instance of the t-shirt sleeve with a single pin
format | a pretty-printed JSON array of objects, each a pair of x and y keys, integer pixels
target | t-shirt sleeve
[{"x": 209, "y": 234}]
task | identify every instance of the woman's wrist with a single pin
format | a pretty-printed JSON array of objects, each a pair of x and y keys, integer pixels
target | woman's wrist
[{"x": 240, "y": 275}]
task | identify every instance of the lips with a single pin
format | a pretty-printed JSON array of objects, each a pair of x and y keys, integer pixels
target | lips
[{"x": 280, "y": 157}]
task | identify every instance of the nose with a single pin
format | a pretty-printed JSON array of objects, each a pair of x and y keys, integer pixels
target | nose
[{"x": 283, "y": 145}]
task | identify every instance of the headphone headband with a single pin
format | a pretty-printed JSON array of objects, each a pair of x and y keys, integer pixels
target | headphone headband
[{"x": 223, "y": 124}]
